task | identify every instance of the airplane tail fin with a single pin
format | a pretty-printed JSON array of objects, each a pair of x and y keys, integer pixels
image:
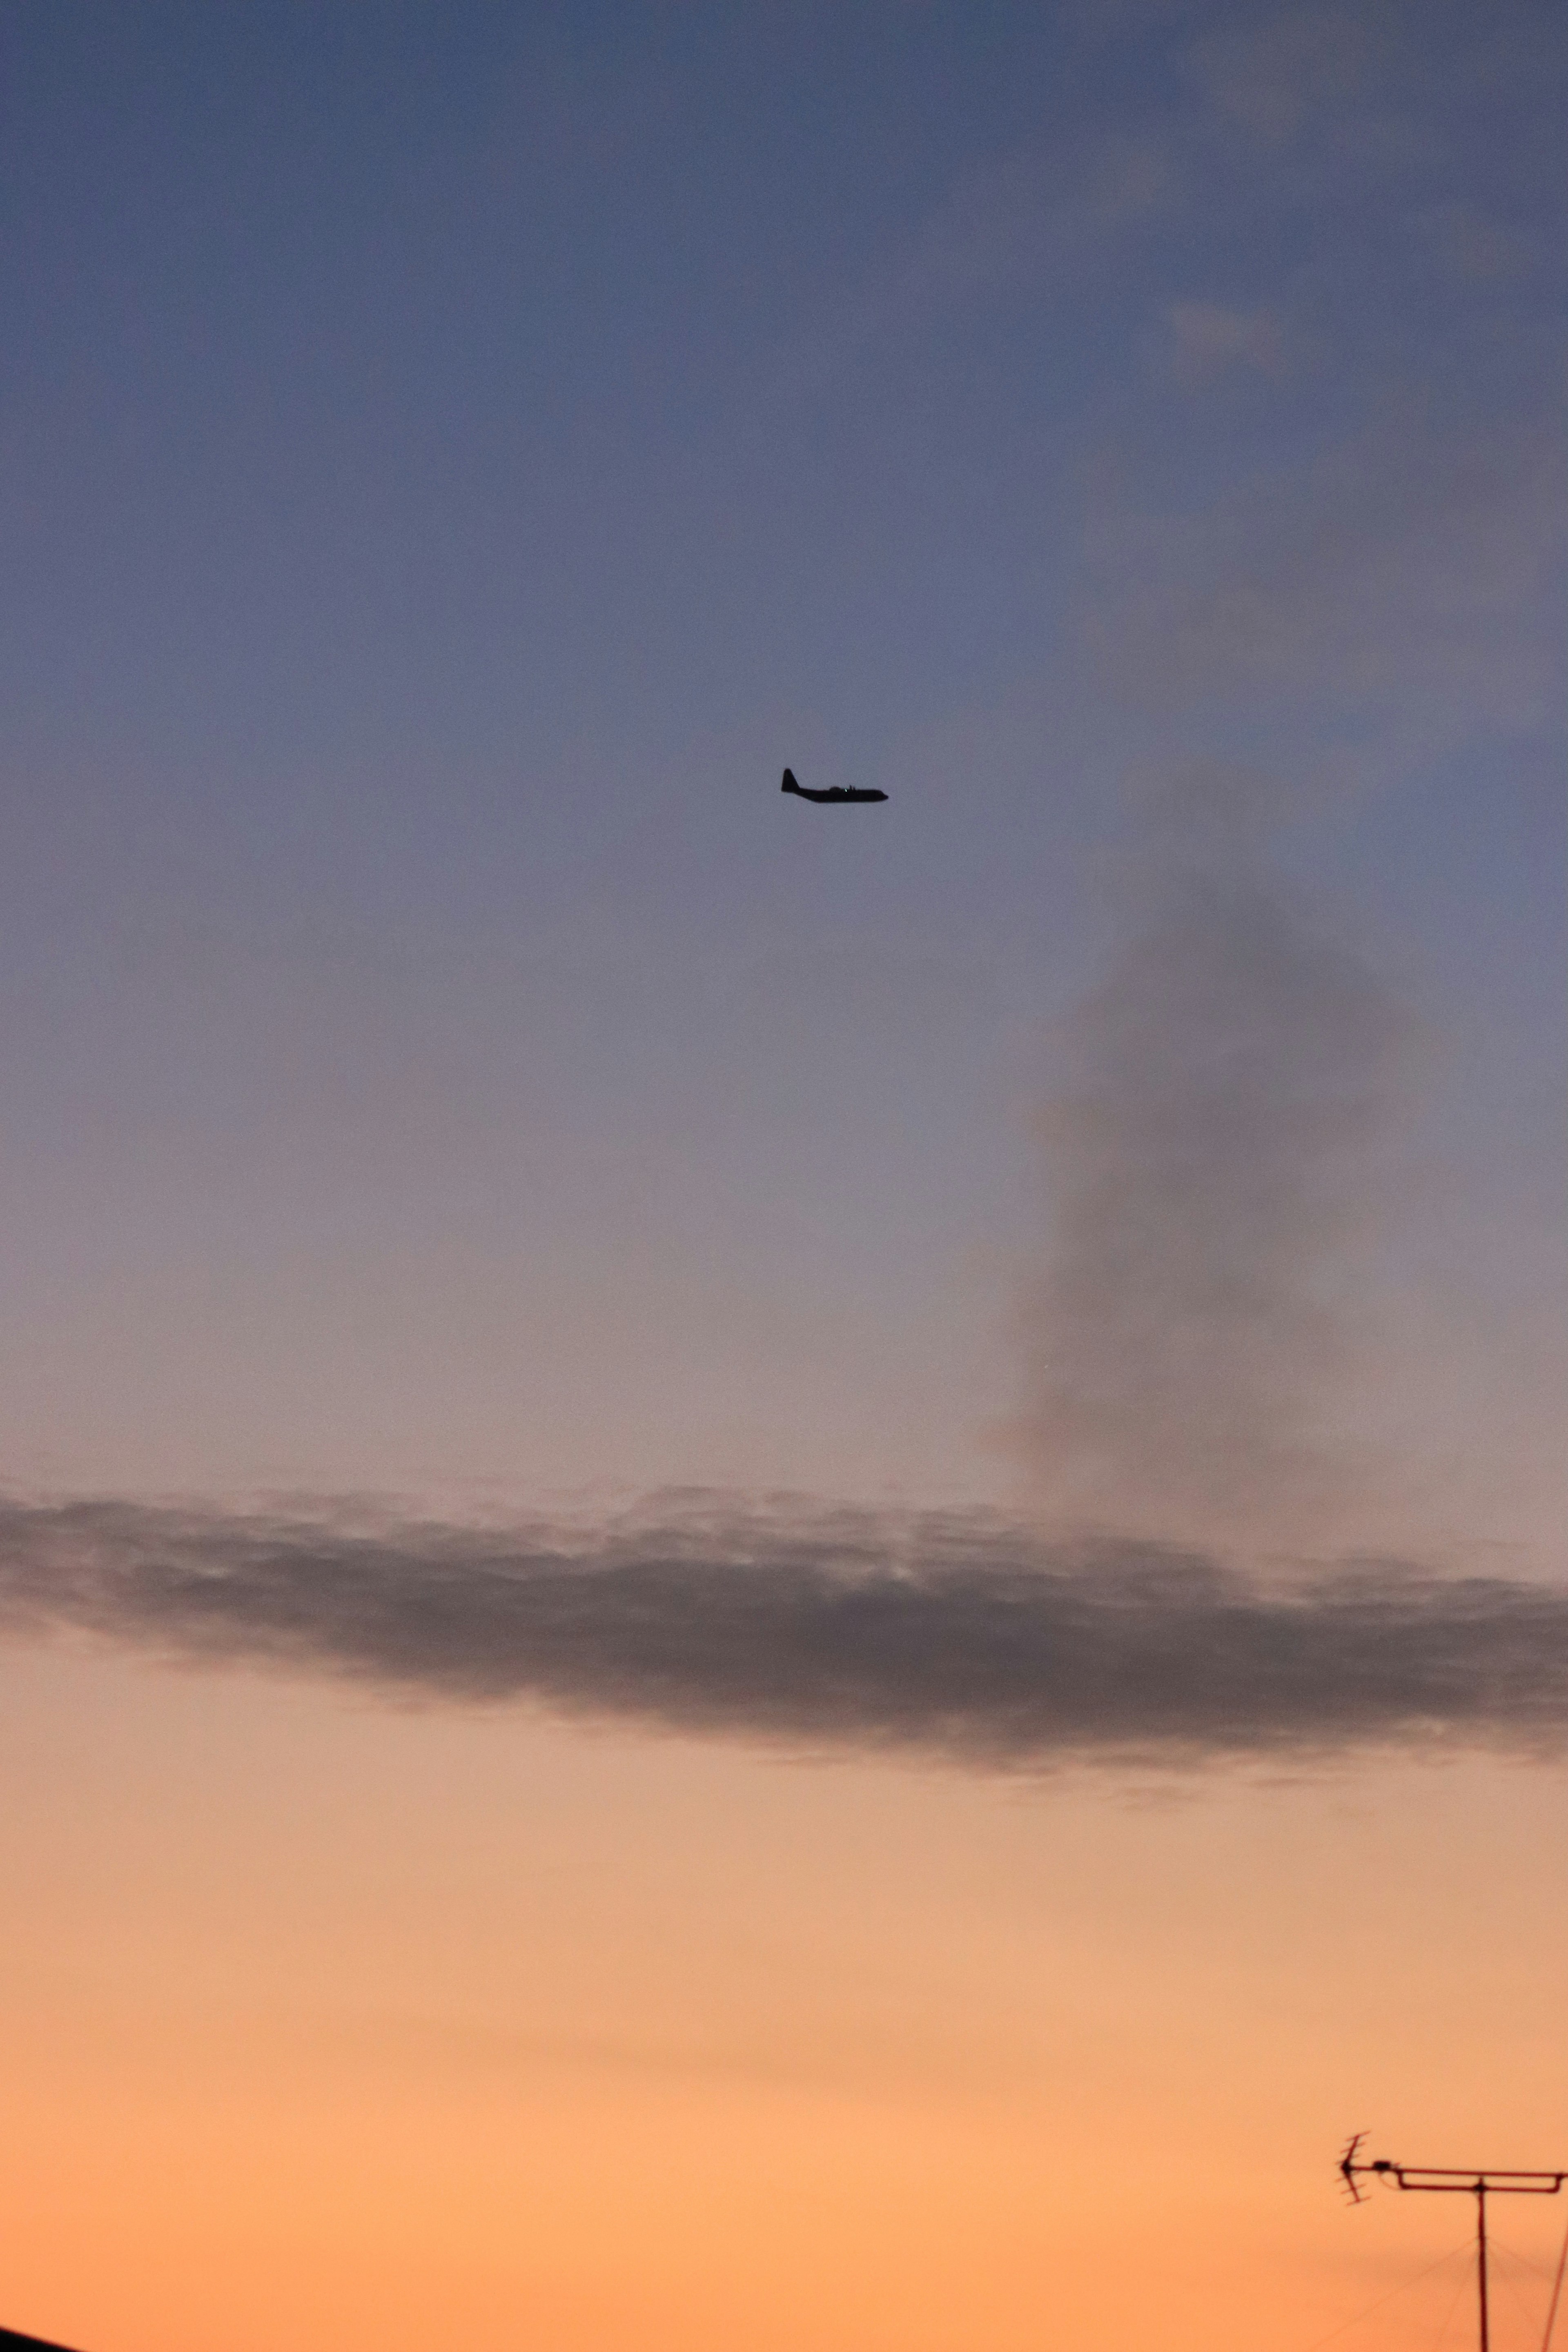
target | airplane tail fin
[{"x": 789, "y": 784}]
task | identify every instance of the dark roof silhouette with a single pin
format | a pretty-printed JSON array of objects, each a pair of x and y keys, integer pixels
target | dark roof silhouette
[
  {"x": 11, "y": 2342},
  {"x": 834, "y": 793}
]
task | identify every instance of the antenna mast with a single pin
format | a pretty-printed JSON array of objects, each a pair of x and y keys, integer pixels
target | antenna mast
[{"x": 1453, "y": 2180}]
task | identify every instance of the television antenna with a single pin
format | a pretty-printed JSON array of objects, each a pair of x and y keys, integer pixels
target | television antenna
[{"x": 1453, "y": 2181}]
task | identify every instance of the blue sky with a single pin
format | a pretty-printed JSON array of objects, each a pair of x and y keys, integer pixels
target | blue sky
[{"x": 453, "y": 458}]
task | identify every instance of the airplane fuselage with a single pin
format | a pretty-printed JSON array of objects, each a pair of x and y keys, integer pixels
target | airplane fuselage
[{"x": 835, "y": 793}]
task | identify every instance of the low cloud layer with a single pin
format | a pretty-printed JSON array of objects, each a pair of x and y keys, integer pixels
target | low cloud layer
[{"x": 949, "y": 1636}]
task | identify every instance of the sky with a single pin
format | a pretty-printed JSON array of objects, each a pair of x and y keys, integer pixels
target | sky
[{"x": 767, "y": 1572}]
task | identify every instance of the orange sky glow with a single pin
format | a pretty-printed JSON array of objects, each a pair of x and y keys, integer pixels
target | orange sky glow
[{"x": 398, "y": 2026}]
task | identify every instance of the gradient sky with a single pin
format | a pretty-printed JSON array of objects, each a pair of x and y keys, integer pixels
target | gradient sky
[{"x": 450, "y": 460}]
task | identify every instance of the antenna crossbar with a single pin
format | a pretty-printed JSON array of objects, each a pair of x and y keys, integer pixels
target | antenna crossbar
[
  {"x": 1480, "y": 2181},
  {"x": 1494, "y": 2180}
]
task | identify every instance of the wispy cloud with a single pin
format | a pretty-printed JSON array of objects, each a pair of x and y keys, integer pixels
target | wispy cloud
[
  {"x": 1472, "y": 244},
  {"x": 949, "y": 1636},
  {"x": 1405, "y": 574},
  {"x": 1032, "y": 211},
  {"x": 1207, "y": 338},
  {"x": 1040, "y": 216},
  {"x": 1213, "y": 1161},
  {"x": 1272, "y": 70}
]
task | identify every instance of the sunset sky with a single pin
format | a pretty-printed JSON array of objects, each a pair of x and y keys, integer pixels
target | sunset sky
[{"x": 769, "y": 1576}]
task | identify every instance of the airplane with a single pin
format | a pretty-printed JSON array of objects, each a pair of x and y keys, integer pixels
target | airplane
[{"x": 836, "y": 792}]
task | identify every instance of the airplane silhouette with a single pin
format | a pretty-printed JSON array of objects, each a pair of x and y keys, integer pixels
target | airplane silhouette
[{"x": 835, "y": 792}]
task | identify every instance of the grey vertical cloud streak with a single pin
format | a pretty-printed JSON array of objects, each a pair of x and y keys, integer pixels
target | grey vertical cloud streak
[
  {"x": 949, "y": 1636},
  {"x": 1213, "y": 1158}
]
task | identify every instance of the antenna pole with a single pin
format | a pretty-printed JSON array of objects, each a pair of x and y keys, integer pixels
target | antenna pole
[
  {"x": 1556, "y": 2296},
  {"x": 1451, "y": 2179}
]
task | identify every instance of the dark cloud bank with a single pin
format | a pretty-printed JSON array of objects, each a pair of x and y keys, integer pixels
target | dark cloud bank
[
  {"x": 1214, "y": 1156},
  {"x": 945, "y": 1635}
]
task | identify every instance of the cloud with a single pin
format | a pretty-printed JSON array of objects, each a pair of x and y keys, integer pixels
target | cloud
[
  {"x": 946, "y": 1636},
  {"x": 1115, "y": 19},
  {"x": 1270, "y": 73},
  {"x": 1473, "y": 245},
  {"x": 1036, "y": 216},
  {"x": 1214, "y": 1156},
  {"x": 1207, "y": 338},
  {"x": 1032, "y": 210},
  {"x": 1407, "y": 575}
]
